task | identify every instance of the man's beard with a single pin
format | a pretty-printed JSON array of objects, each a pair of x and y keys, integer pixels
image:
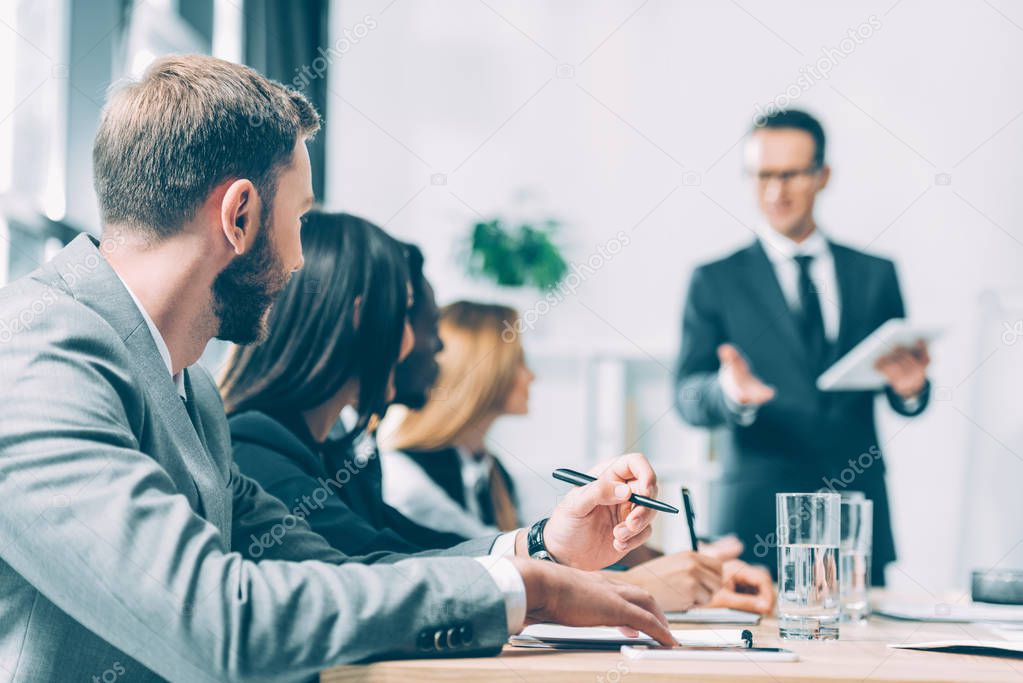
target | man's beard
[{"x": 245, "y": 290}]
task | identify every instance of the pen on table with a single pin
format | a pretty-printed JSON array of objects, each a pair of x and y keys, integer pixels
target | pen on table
[
  {"x": 580, "y": 479},
  {"x": 687, "y": 504}
]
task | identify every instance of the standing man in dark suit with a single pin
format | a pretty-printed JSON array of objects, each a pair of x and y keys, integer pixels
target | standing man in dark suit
[{"x": 762, "y": 324}]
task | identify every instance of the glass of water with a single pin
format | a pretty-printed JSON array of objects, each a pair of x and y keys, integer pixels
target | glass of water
[
  {"x": 809, "y": 602},
  {"x": 857, "y": 523}
]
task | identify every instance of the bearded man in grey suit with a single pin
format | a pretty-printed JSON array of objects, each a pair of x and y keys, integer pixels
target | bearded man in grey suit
[{"x": 124, "y": 520}]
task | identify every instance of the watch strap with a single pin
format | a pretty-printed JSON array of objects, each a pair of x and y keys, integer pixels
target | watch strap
[{"x": 535, "y": 542}]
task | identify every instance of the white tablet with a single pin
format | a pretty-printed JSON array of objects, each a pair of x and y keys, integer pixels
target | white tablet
[{"x": 855, "y": 370}]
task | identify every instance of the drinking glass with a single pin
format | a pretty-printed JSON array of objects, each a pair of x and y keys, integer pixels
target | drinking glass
[
  {"x": 809, "y": 603},
  {"x": 854, "y": 556}
]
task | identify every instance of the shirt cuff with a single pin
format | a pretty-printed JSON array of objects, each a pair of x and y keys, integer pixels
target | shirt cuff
[
  {"x": 504, "y": 546},
  {"x": 512, "y": 588},
  {"x": 912, "y": 403}
]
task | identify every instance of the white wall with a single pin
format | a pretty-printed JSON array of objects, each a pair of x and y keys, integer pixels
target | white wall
[{"x": 638, "y": 132}]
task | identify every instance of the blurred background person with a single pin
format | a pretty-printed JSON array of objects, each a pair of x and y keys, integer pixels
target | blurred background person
[
  {"x": 417, "y": 374},
  {"x": 437, "y": 468},
  {"x": 763, "y": 323}
]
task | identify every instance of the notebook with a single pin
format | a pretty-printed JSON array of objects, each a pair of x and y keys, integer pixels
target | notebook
[{"x": 608, "y": 638}]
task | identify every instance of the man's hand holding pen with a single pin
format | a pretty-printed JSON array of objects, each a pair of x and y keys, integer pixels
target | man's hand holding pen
[{"x": 596, "y": 525}]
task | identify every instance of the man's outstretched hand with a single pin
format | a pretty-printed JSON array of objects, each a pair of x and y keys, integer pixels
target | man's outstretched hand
[{"x": 738, "y": 381}]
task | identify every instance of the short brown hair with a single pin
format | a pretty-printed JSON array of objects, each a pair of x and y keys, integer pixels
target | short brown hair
[{"x": 191, "y": 122}]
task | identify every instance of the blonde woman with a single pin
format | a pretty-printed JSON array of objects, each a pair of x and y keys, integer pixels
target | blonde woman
[{"x": 437, "y": 469}]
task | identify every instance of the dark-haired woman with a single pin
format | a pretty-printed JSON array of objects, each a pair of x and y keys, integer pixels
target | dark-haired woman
[{"x": 335, "y": 336}]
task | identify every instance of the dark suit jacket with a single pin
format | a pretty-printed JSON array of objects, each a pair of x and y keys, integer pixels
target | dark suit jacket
[
  {"x": 444, "y": 467},
  {"x": 339, "y": 496},
  {"x": 804, "y": 439}
]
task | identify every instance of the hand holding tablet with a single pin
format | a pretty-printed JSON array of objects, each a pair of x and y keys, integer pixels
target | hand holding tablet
[{"x": 895, "y": 342}]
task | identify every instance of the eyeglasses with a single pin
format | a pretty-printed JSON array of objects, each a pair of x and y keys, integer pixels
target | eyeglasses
[{"x": 796, "y": 175}]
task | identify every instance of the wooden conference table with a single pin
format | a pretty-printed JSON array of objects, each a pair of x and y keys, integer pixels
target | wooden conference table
[{"x": 861, "y": 654}]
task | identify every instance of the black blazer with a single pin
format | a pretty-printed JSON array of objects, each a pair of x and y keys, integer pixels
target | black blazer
[
  {"x": 804, "y": 439},
  {"x": 317, "y": 480},
  {"x": 444, "y": 467}
]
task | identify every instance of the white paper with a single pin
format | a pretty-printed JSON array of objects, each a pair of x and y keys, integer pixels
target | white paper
[
  {"x": 555, "y": 633},
  {"x": 719, "y": 655},
  {"x": 714, "y": 615},
  {"x": 1007, "y": 631},
  {"x": 940, "y": 612}
]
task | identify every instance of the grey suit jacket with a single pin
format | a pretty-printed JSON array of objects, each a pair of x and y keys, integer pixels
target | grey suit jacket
[{"x": 127, "y": 531}]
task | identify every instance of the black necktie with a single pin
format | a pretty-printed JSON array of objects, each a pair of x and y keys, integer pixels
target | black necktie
[
  {"x": 483, "y": 497},
  {"x": 811, "y": 322}
]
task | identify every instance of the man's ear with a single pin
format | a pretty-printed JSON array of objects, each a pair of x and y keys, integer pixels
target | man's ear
[
  {"x": 825, "y": 176},
  {"x": 239, "y": 211}
]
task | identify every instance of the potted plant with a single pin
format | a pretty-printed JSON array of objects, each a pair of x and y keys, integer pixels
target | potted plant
[{"x": 520, "y": 256}]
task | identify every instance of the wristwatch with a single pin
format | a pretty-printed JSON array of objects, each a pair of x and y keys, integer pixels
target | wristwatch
[{"x": 534, "y": 542}]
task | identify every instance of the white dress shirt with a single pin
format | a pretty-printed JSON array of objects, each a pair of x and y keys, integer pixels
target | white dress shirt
[
  {"x": 161, "y": 345},
  {"x": 410, "y": 490},
  {"x": 782, "y": 253}
]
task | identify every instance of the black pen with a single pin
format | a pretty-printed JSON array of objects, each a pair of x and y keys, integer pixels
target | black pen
[
  {"x": 580, "y": 479},
  {"x": 690, "y": 518}
]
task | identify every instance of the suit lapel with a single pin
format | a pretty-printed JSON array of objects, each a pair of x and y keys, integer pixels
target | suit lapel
[
  {"x": 764, "y": 288},
  {"x": 193, "y": 412},
  {"x": 217, "y": 500},
  {"x": 169, "y": 410}
]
